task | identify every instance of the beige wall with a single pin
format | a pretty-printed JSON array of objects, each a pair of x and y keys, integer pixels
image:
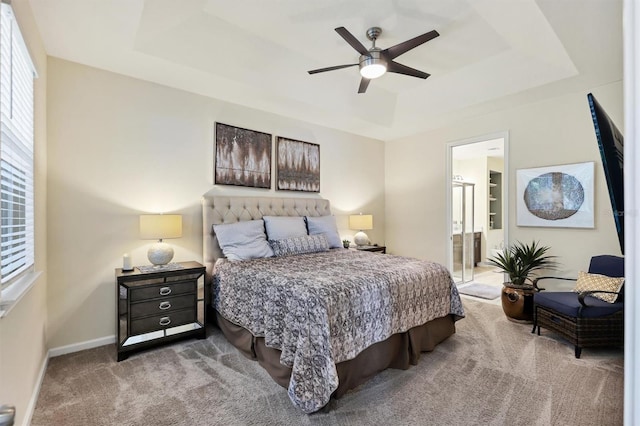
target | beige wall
[
  {"x": 550, "y": 132},
  {"x": 23, "y": 331},
  {"x": 119, "y": 147}
]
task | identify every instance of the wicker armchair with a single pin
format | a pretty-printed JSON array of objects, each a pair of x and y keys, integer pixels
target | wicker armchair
[{"x": 583, "y": 320}]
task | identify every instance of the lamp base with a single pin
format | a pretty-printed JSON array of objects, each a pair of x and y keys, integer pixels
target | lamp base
[
  {"x": 361, "y": 239},
  {"x": 160, "y": 253}
]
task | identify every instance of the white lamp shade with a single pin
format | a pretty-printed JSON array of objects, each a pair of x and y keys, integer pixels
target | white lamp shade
[
  {"x": 160, "y": 226},
  {"x": 361, "y": 222}
]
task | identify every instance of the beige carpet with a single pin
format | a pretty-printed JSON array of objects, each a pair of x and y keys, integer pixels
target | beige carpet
[{"x": 491, "y": 372}]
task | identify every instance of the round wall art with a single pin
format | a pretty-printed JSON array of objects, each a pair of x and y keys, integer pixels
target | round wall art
[{"x": 554, "y": 196}]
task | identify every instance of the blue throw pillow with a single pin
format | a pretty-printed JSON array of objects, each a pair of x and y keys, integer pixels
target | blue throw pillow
[
  {"x": 281, "y": 227},
  {"x": 243, "y": 240},
  {"x": 325, "y": 225}
]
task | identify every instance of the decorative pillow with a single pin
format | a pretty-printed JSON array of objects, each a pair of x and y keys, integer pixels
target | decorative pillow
[
  {"x": 325, "y": 225},
  {"x": 282, "y": 227},
  {"x": 243, "y": 240},
  {"x": 300, "y": 245},
  {"x": 590, "y": 282}
]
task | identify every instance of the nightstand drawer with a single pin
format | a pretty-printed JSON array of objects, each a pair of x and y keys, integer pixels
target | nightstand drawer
[
  {"x": 160, "y": 322},
  {"x": 162, "y": 290},
  {"x": 166, "y": 304}
]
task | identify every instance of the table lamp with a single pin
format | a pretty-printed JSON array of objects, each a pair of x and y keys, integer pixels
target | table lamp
[
  {"x": 361, "y": 222},
  {"x": 159, "y": 227}
]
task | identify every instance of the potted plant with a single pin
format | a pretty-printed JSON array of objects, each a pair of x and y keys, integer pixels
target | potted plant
[
  {"x": 519, "y": 261},
  {"x": 345, "y": 243}
]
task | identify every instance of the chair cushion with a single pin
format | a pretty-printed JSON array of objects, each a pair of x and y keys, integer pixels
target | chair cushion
[
  {"x": 566, "y": 302},
  {"x": 592, "y": 282}
]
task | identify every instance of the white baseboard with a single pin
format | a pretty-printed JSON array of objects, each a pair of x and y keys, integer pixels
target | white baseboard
[
  {"x": 77, "y": 347},
  {"x": 26, "y": 421}
]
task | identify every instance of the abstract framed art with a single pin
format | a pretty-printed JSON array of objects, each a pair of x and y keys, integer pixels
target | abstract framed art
[
  {"x": 298, "y": 165},
  {"x": 556, "y": 196},
  {"x": 243, "y": 157}
]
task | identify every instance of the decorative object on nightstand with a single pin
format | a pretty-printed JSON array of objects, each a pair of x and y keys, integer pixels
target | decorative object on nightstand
[
  {"x": 127, "y": 265},
  {"x": 361, "y": 222},
  {"x": 159, "y": 306},
  {"x": 346, "y": 243},
  {"x": 159, "y": 227}
]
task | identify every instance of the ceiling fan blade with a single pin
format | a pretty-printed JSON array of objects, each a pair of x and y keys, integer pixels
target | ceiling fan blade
[
  {"x": 349, "y": 38},
  {"x": 403, "y": 69},
  {"x": 337, "y": 67},
  {"x": 364, "y": 83},
  {"x": 397, "y": 50}
]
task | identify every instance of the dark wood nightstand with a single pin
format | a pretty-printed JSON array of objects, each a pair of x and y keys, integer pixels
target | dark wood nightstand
[
  {"x": 159, "y": 306},
  {"x": 380, "y": 249}
]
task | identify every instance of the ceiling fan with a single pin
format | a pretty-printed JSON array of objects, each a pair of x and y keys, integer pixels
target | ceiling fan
[{"x": 374, "y": 62}]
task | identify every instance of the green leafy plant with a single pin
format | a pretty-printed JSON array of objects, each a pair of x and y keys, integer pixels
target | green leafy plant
[
  {"x": 345, "y": 243},
  {"x": 520, "y": 260}
]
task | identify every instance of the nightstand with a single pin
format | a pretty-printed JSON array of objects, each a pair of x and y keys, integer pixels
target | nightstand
[
  {"x": 159, "y": 306},
  {"x": 380, "y": 249}
]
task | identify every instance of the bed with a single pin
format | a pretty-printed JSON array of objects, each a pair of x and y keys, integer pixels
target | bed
[{"x": 325, "y": 321}]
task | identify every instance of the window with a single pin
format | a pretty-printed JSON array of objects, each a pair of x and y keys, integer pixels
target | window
[{"x": 16, "y": 152}]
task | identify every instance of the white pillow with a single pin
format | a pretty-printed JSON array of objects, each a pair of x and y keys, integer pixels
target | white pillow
[
  {"x": 243, "y": 240},
  {"x": 283, "y": 227},
  {"x": 325, "y": 225}
]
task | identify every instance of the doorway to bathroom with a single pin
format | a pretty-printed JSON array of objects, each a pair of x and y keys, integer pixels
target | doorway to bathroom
[{"x": 477, "y": 206}]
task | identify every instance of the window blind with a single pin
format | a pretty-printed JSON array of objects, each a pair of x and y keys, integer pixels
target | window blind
[{"x": 16, "y": 151}]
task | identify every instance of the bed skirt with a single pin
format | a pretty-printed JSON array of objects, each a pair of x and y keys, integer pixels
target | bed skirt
[{"x": 398, "y": 351}]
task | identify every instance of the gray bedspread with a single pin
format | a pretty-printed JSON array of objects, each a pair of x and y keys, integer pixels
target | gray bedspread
[{"x": 324, "y": 308}]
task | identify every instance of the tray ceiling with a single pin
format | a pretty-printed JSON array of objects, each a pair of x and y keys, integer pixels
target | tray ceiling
[{"x": 491, "y": 54}]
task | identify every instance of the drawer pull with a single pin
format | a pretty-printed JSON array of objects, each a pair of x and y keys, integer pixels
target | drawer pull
[
  {"x": 165, "y": 290},
  {"x": 165, "y": 321},
  {"x": 165, "y": 305}
]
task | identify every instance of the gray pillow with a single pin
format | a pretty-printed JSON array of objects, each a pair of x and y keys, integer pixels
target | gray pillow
[
  {"x": 325, "y": 225},
  {"x": 243, "y": 240},
  {"x": 282, "y": 227},
  {"x": 299, "y": 245}
]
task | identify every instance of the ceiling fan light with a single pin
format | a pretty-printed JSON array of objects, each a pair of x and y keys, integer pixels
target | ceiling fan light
[
  {"x": 373, "y": 70},
  {"x": 372, "y": 65}
]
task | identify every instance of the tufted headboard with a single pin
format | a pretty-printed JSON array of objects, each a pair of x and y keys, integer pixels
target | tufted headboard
[{"x": 217, "y": 209}]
